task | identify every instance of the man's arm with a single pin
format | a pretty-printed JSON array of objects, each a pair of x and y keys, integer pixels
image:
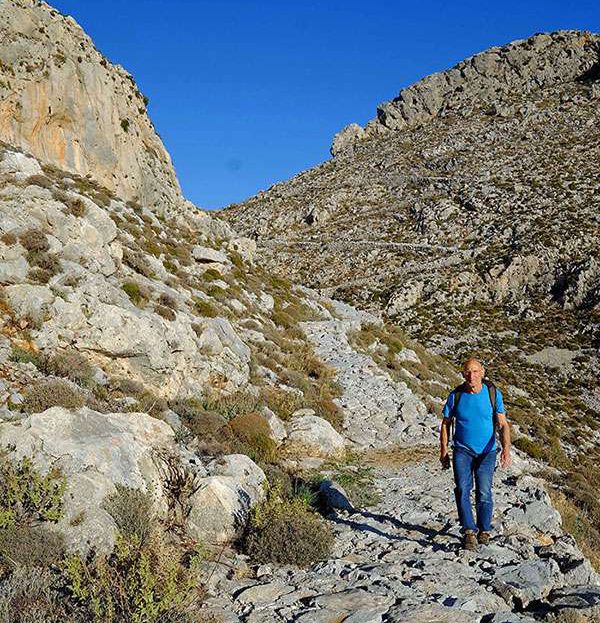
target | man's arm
[
  {"x": 444, "y": 437},
  {"x": 505, "y": 458}
]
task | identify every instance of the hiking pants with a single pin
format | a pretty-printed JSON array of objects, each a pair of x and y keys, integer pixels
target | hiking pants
[{"x": 480, "y": 467}]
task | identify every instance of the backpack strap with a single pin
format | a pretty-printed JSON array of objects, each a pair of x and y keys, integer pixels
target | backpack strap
[
  {"x": 492, "y": 394},
  {"x": 458, "y": 392}
]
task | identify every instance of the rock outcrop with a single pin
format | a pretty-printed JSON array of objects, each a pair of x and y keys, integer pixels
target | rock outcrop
[{"x": 64, "y": 102}]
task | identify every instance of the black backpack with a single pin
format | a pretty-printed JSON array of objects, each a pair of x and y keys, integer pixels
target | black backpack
[{"x": 459, "y": 391}]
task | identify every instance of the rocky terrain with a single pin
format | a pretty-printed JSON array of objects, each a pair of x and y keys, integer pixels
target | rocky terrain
[
  {"x": 161, "y": 394},
  {"x": 467, "y": 213}
]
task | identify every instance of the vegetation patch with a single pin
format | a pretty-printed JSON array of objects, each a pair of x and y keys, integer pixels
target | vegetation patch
[
  {"x": 26, "y": 495},
  {"x": 72, "y": 365},
  {"x": 287, "y": 531},
  {"x": 53, "y": 393}
]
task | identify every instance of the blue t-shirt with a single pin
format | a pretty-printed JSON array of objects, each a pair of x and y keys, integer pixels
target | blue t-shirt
[{"x": 474, "y": 421}]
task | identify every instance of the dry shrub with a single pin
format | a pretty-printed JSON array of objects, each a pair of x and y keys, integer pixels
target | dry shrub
[
  {"x": 72, "y": 365},
  {"x": 45, "y": 394},
  {"x": 287, "y": 531},
  {"x": 39, "y": 180},
  {"x": 132, "y": 511},
  {"x": 209, "y": 427},
  {"x": 30, "y": 595},
  {"x": 30, "y": 546},
  {"x": 138, "y": 262},
  {"x": 167, "y": 301},
  {"x": 282, "y": 402},
  {"x": 34, "y": 240},
  {"x": 76, "y": 206},
  {"x": 254, "y": 433},
  {"x": 126, "y": 386},
  {"x": 165, "y": 312},
  {"x": 328, "y": 410},
  {"x": 8, "y": 238},
  {"x": 232, "y": 405}
]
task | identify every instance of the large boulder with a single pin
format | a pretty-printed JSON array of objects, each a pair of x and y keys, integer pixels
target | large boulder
[
  {"x": 94, "y": 451},
  {"x": 220, "y": 505},
  {"x": 310, "y": 435}
]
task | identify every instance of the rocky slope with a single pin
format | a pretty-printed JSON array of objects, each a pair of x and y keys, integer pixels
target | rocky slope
[
  {"x": 467, "y": 212},
  {"x": 145, "y": 355},
  {"x": 65, "y": 103}
]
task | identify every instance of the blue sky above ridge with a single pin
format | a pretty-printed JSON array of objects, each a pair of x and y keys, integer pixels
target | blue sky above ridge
[{"x": 246, "y": 93}]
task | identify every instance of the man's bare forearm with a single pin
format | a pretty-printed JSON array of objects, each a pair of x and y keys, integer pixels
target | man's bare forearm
[
  {"x": 444, "y": 436},
  {"x": 505, "y": 436}
]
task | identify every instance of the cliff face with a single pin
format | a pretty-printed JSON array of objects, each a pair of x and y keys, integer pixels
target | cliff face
[{"x": 63, "y": 102}]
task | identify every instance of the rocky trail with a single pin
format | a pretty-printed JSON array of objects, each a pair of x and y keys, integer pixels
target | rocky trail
[{"x": 401, "y": 560}]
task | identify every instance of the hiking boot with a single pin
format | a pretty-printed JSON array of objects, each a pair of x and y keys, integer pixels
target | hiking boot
[
  {"x": 483, "y": 538},
  {"x": 470, "y": 540}
]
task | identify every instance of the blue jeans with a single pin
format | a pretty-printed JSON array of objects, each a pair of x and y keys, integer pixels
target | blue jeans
[{"x": 467, "y": 465}]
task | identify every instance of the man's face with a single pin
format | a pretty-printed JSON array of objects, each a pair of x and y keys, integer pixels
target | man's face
[{"x": 473, "y": 373}]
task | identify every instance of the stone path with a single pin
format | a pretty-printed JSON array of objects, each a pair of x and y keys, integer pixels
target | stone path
[
  {"x": 378, "y": 410},
  {"x": 401, "y": 561}
]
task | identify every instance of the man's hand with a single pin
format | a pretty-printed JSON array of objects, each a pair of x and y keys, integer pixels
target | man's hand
[
  {"x": 445, "y": 460},
  {"x": 505, "y": 458}
]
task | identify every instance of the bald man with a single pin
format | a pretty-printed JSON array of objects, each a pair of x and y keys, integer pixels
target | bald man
[{"x": 476, "y": 408}]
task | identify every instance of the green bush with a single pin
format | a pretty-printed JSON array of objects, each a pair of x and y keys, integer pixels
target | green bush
[
  {"x": 72, "y": 365},
  {"x": 45, "y": 394},
  {"x": 531, "y": 447},
  {"x": 135, "y": 292},
  {"x": 149, "y": 584},
  {"x": 22, "y": 355},
  {"x": 205, "y": 308},
  {"x": 287, "y": 531},
  {"x": 26, "y": 495},
  {"x": 132, "y": 510}
]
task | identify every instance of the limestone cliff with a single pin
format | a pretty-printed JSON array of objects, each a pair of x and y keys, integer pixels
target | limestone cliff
[{"x": 64, "y": 102}]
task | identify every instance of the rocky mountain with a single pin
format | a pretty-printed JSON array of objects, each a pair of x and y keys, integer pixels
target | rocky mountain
[
  {"x": 63, "y": 102},
  {"x": 172, "y": 414},
  {"x": 467, "y": 212}
]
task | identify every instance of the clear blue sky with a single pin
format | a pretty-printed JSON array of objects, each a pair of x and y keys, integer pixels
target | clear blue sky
[{"x": 245, "y": 93}]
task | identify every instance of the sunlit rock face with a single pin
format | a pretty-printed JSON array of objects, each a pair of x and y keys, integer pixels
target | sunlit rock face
[{"x": 65, "y": 103}]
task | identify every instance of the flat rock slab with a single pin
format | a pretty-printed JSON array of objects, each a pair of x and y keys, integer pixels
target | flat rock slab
[
  {"x": 430, "y": 614},
  {"x": 264, "y": 593},
  {"x": 527, "y": 582}
]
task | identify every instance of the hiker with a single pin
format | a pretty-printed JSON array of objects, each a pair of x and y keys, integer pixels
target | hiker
[{"x": 475, "y": 410}]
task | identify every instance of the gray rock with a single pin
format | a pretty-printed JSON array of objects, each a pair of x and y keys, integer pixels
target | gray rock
[
  {"x": 526, "y": 582},
  {"x": 221, "y": 503},
  {"x": 310, "y": 435},
  {"x": 264, "y": 594},
  {"x": 208, "y": 255},
  {"x": 94, "y": 451}
]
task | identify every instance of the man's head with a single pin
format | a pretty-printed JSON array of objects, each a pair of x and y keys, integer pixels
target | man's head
[{"x": 473, "y": 372}]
